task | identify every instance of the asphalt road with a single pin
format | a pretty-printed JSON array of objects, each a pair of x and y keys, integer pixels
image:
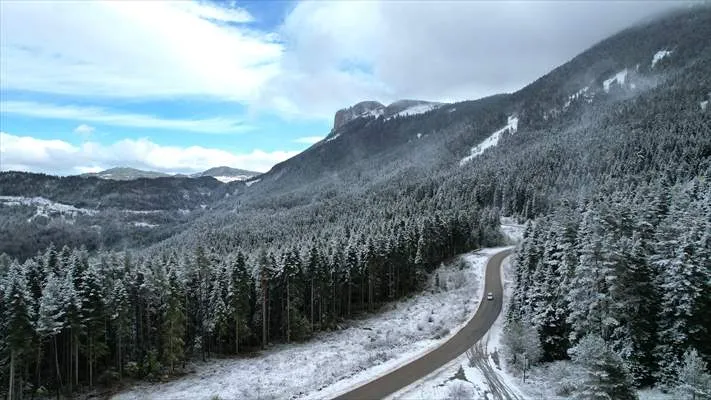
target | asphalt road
[{"x": 457, "y": 345}]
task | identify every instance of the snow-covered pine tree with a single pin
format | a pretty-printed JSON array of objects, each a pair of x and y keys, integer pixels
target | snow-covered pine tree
[
  {"x": 607, "y": 378},
  {"x": 19, "y": 327}
]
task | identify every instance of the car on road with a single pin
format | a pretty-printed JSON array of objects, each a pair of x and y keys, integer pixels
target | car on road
[{"x": 490, "y": 296}]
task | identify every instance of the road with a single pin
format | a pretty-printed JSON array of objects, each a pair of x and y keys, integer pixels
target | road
[{"x": 457, "y": 345}]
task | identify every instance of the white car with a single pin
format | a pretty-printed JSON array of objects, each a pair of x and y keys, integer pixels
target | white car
[{"x": 490, "y": 296}]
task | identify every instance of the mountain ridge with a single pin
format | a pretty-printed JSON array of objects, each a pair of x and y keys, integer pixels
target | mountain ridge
[{"x": 224, "y": 174}]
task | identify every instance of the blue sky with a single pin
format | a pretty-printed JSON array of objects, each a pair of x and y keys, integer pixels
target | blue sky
[{"x": 182, "y": 86}]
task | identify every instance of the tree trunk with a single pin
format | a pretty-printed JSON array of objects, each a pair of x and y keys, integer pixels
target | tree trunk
[
  {"x": 264, "y": 316},
  {"x": 91, "y": 370},
  {"x": 56, "y": 363},
  {"x": 76, "y": 361},
  {"x": 118, "y": 356},
  {"x": 348, "y": 305},
  {"x": 38, "y": 366},
  {"x": 236, "y": 333},
  {"x": 288, "y": 320},
  {"x": 10, "y": 388}
]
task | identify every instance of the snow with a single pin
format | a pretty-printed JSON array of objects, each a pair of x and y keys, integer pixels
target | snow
[
  {"x": 619, "y": 77},
  {"x": 373, "y": 113},
  {"x": 582, "y": 93},
  {"x": 144, "y": 224},
  {"x": 45, "y": 207},
  {"x": 334, "y": 137},
  {"x": 334, "y": 362},
  {"x": 491, "y": 141},
  {"x": 658, "y": 56},
  {"x": 418, "y": 109},
  {"x": 448, "y": 382},
  {"x": 419, "y": 135},
  {"x": 250, "y": 183},
  {"x": 704, "y": 104},
  {"x": 228, "y": 179},
  {"x": 512, "y": 230}
]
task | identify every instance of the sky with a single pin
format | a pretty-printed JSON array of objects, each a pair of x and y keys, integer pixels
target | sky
[{"x": 183, "y": 86}]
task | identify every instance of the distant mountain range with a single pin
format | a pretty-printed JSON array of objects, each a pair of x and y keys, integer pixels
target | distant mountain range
[{"x": 223, "y": 174}]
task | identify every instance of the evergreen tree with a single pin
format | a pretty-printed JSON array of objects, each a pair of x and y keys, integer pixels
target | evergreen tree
[{"x": 607, "y": 377}]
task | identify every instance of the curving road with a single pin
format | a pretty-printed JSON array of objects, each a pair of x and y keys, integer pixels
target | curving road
[{"x": 457, "y": 345}]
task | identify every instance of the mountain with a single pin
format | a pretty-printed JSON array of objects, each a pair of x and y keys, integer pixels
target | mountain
[
  {"x": 38, "y": 209},
  {"x": 227, "y": 174},
  {"x": 125, "y": 173},
  {"x": 376, "y": 109}
]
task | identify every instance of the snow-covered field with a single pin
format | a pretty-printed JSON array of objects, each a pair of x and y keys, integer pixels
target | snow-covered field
[
  {"x": 418, "y": 109},
  {"x": 228, "y": 179},
  {"x": 333, "y": 362},
  {"x": 491, "y": 141},
  {"x": 619, "y": 77}
]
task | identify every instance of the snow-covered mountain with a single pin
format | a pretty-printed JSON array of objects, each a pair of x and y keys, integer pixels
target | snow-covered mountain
[
  {"x": 222, "y": 174},
  {"x": 125, "y": 174},
  {"x": 376, "y": 109},
  {"x": 227, "y": 174}
]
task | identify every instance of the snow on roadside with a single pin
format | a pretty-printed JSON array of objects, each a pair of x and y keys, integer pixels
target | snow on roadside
[
  {"x": 491, "y": 141},
  {"x": 459, "y": 379},
  {"x": 334, "y": 362}
]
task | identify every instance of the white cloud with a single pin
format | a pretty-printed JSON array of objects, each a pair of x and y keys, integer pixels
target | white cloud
[
  {"x": 441, "y": 51},
  {"x": 103, "y": 116},
  {"x": 133, "y": 49},
  {"x": 84, "y": 130},
  {"x": 27, "y": 153},
  {"x": 325, "y": 56},
  {"x": 308, "y": 139},
  {"x": 211, "y": 11}
]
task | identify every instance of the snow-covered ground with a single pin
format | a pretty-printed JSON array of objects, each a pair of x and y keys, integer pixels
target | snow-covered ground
[
  {"x": 491, "y": 141},
  {"x": 512, "y": 230},
  {"x": 334, "y": 362},
  {"x": 228, "y": 179},
  {"x": 418, "y": 109},
  {"x": 658, "y": 56},
  {"x": 144, "y": 224},
  {"x": 479, "y": 374},
  {"x": 45, "y": 207},
  {"x": 619, "y": 77}
]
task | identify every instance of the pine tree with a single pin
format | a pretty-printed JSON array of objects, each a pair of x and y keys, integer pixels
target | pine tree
[
  {"x": 607, "y": 378},
  {"x": 93, "y": 317},
  {"x": 240, "y": 299},
  {"x": 18, "y": 316},
  {"x": 636, "y": 306},
  {"x": 693, "y": 379},
  {"x": 173, "y": 329}
]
